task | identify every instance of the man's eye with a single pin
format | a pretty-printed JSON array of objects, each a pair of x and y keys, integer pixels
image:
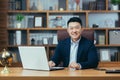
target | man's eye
[{"x": 71, "y": 28}]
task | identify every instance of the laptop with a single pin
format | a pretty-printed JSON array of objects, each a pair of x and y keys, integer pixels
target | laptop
[{"x": 35, "y": 58}]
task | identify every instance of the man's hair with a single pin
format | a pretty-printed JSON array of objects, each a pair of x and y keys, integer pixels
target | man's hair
[{"x": 75, "y": 19}]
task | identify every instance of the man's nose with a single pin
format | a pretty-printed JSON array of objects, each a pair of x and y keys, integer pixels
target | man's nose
[{"x": 74, "y": 30}]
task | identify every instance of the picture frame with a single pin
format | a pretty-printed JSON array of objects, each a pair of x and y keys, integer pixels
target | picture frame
[
  {"x": 105, "y": 55},
  {"x": 38, "y": 21}
]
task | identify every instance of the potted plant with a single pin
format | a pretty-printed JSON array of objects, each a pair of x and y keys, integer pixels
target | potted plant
[
  {"x": 19, "y": 18},
  {"x": 115, "y": 4}
]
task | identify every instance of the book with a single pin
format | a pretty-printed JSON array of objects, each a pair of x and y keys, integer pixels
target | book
[
  {"x": 100, "y": 4},
  {"x": 101, "y": 39}
]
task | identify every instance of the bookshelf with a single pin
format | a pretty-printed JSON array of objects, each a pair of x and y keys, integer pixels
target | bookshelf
[{"x": 95, "y": 14}]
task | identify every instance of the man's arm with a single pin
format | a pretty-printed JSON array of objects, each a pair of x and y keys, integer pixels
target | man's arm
[
  {"x": 55, "y": 60},
  {"x": 92, "y": 60},
  {"x": 75, "y": 65}
]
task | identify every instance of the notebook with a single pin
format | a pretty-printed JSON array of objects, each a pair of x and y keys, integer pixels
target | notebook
[{"x": 35, "y": 58}]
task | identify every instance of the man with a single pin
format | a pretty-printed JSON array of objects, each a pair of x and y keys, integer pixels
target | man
[{"x": 75, "y": 52}]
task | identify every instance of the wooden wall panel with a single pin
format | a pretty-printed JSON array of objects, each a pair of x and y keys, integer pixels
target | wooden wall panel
[{"x": 3, "y": 24}]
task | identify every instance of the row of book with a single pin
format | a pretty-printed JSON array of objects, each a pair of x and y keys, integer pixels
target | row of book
[
  {"x": 115, "y": 57},
  {"x": 17, "y": 38},
  {"x": 87, "y": 5},
  {"x": 17, "y": 4},
  {"x": 106, "y": 56},
  {"x": 94, "y": 5}
]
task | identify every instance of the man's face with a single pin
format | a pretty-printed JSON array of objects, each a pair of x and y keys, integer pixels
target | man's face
[{"x": 74, "y": 29}]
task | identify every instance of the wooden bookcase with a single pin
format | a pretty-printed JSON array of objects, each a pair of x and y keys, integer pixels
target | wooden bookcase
[{"x": 101, "y": 16}]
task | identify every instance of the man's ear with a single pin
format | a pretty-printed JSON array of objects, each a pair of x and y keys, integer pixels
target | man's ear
[{"x": 82, "y": 29}]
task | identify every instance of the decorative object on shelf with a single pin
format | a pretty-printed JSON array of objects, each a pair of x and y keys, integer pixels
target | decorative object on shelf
[
  {"x": 115, "y": 4},
  {"x": 38, "y": 21},
  {"x": 32, "y": 41},
  {"x": 50, "y": 8},
  {"x": 114, "y": 37},
  {"x": 33, "y": 7},
  {"x": 95, "y": 25},
  {"x": 105, "y": 55},
  {"x": 77, "y": 4},
  {"x": 50, "y": 40},
  {"x": 56, "y": 6},
  {"x": 55, "y": 39},
  {"x": 51, "y": 22},
  {"x": 39, "y": 42},
  {"x": 109, "y": 23},
  {"x": 117, "y": 23},
  {"x": 59, "y": 22},
  {"x": 45, "y": 40},
  {"x": 19, "y": 18},
  {"x": 18, "y": 37},
  {"x": 15, "y": 59},
  {"x": 39, "y": 5},
  {"x": 6, "y": 60},
  {"x": 61, "y": 9},
  {"x": 71, "y": 3}
]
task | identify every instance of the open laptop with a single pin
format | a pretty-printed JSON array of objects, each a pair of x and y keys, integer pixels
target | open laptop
[{"x": 34, "y": 57}]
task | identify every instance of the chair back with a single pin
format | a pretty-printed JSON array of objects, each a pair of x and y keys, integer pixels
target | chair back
[{"x": 87, "y": 33}]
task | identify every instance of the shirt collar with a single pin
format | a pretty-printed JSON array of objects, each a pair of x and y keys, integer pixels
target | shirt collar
[{"x": 76, "y": 42}]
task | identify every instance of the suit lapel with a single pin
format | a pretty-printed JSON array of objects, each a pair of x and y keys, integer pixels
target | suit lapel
[
  {"x": 67, "y": 50},
  {"x": 80, "y": 48}
]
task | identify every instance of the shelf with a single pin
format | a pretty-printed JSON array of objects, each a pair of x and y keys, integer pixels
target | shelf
[
  {"x": 65, "y": 11},
  {"x": 116, "y": 28},
  {"x": 88, "y": 17},
  {"x": 25, "y": 11},
  {"x": 17, "y": 28},
  {"x": 46, "y": 28}
]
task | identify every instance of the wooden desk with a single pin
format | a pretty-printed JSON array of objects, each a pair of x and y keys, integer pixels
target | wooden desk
[{"x": 88, "y": 74}]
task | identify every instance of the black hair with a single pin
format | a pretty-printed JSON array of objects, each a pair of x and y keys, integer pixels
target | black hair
[{"x": 75, "y": 19}]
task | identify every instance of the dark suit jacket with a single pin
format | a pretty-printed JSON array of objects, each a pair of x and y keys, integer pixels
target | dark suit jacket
[{"x": 86, "y": 54}]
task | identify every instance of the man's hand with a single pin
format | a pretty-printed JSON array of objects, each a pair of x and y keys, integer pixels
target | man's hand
[
  {"x": 51, "y": 64},
  {"x": 74, "y": 65}
]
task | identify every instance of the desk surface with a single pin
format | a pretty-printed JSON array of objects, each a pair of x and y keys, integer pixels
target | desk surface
[{"x": 87, "y": 74}]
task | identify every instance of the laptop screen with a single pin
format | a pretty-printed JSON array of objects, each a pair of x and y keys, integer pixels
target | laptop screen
[{"x": 33, "y": 57}]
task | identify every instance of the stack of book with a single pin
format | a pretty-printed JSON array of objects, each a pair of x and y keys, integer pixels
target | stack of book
[{"x": 97, "y": 5}]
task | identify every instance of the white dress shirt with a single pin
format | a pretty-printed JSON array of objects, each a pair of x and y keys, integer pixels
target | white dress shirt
[{"x": 73, "y": 51}]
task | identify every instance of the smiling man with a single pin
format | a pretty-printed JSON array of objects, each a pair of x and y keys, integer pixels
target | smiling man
[{"x": 76, "y": 51}]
